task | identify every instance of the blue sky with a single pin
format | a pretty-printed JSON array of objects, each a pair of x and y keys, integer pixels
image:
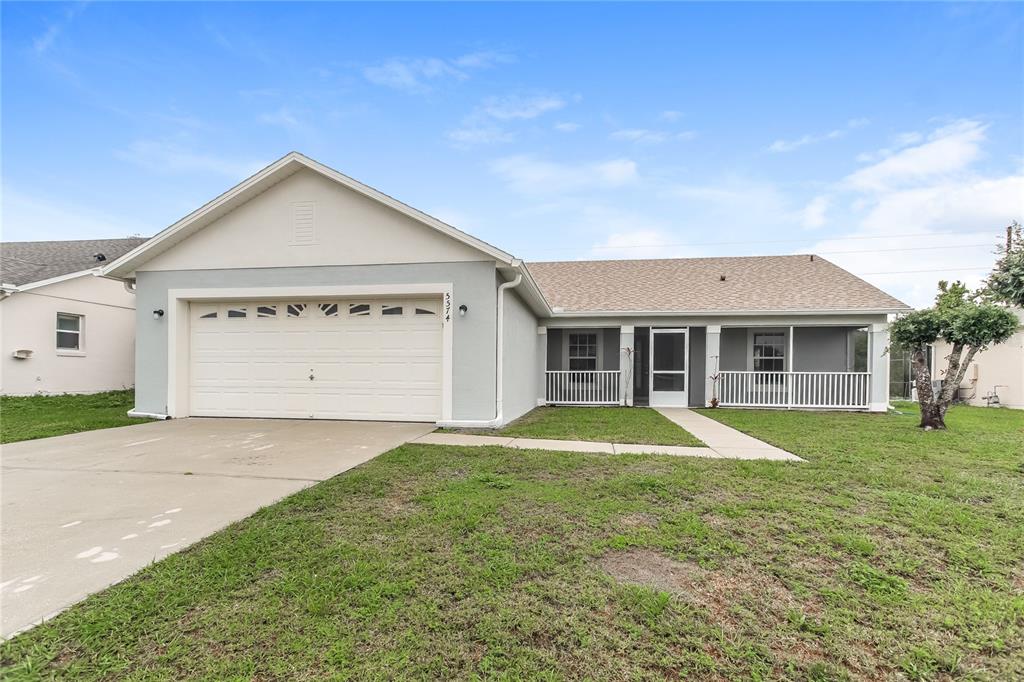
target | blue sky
[{"x": 557, "y": 132}]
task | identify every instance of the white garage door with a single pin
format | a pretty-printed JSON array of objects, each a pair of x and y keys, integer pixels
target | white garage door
[{"x": 366, "y": 359}]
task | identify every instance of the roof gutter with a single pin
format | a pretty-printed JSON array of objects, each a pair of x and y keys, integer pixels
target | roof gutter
[{"x": 499, "y": 374}]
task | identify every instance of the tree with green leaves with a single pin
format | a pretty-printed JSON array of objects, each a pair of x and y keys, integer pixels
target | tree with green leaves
[
  {"x": 1006, "y": 283},
  {"x": 968, "y": 324}
]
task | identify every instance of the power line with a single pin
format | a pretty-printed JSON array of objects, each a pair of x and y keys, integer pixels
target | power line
[
  {"x": 911, "y": 272},
  {"x": 772, "y": 241},
  {"x": 909, "y": 248}
]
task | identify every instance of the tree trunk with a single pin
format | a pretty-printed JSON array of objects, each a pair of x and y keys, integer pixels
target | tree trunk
[
  {"x": 931, "y": 415},
  {"x": 933, "y": 407}
]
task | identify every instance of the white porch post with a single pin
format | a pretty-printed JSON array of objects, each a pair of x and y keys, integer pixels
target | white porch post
[
  {"x": 626, "y": 340},
  {"x": 878, "y": 365},
  {"x": 542, "y": 365},
  {"x": 712, "y": 344},
  {"x": 790, "y": 377}
]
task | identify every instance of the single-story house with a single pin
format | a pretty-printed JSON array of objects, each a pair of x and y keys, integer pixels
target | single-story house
[
  {"x": 995, "y": 375},
  {"x": 64, "y": 329},
  {"x": 304, "y": 293}
]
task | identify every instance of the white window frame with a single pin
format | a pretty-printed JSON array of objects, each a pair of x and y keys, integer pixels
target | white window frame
[
  {"x": 80, "y": 332},
  {"x": 568, "y": 357}
]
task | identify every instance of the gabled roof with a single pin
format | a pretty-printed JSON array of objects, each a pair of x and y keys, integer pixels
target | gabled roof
[
  {"x": 754, "y": 284},
  {"x": 23, "y": 263},
  {"x": 264, "y": 180}
]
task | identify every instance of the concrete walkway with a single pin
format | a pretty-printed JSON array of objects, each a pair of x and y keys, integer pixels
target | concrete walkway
[{"x": 723, "y": 442}]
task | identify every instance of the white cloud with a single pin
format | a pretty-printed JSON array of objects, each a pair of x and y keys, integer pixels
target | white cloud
[
  {"x": 46, "y": 40},
  {"x": 421, "y": 74},
  {"x": 670, "y": 115},
  {"x": 168, "y": 157},
  {"x": 780, "y": 146},
  {"x": 948, "y": 150},
  {"x": 484, "y": 59},
  {"x": 473, "y": 134},
  {"x": 412, "y": 75},
  {"x": 530, "y": 175},
  {"x": 283, "y": 117},
  {"x": 922, "y": 197},
  {"x": 566, "y": 127},
  {"x": 29, "y": 217},
  {"x": 645, "y": 136},
  {"x": 813, "y": 214},
  {"x": 511, "y": 107},
  {"x": 484, "y": 124}
]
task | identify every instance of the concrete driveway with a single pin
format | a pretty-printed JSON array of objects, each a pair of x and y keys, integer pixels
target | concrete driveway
[{"x": 83, "y": 511}]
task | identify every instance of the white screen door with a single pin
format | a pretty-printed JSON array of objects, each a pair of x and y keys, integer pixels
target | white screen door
[{"x": 670, "y": 350}]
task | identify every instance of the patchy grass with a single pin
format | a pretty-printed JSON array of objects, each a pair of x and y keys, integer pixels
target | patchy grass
[
  {"x": 891, "y": 554},
  {"x": 42, "y": 416},
  {"x": 600, "y": 424}
]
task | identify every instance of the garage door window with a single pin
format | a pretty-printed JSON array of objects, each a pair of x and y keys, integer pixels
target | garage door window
[
  {"x": 329, "y": 309},
  {"x": 391, "y": 310},
  {"x": 238, "y": 312},
  {"x": 266, "y": 311},
  {"x": 296, "y": 309},
  {"x": 425, "y": 311},
  {"x": 359, "y": 309}
]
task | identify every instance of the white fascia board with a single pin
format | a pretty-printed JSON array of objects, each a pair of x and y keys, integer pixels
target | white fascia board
[
  {"x": 286, "y": 166},
  {"x": 57, "y": 279},
  {"x": 529, "y": 289}
]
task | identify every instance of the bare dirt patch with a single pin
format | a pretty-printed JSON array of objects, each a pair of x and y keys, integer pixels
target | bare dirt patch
[
  {"x": 638, "y": 520},
  {"x": 717, "y": 590}
]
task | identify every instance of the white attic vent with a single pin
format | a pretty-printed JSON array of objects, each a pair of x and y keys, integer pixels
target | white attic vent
[{"x": 303, "y": 223}]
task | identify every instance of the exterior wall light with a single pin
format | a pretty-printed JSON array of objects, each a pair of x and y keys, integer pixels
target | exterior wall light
[
  {"x": 462, "y": 310},
  {"x": 158, "y": 313}
]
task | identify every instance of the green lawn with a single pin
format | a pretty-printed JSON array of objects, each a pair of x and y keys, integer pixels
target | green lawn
[
  {"x": 25, "y": 418},
  {"x": 891, "y": 554},
  {"x": 600, "y": 424}
]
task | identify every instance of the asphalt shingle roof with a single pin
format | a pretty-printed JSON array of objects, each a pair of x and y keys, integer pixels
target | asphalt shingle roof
[
  {"x": 751, "y": 284},
  {"x": 26, "y": 262}
]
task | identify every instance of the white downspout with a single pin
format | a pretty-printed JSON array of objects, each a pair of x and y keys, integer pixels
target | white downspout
[{"x": 499, "y": 354}]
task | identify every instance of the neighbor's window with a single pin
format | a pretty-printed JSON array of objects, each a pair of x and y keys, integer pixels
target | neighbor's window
[
  {"x": 769, "y": 352},
  {"x": 583, "y": 352},
  {"x": 69, "y": 331}
]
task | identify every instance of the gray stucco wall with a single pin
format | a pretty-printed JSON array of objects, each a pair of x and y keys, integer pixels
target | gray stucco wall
[
  {"x": 695, "y": 388},
  {"x": 733, "y": 349},
  {"x": 473, "y": 335},
  {"x": 820, "y": 349},
  {"x": 521, "y": 382}
]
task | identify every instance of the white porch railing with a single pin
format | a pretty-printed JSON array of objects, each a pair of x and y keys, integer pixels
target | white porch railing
[
  {"x": 570, "y": 387},
  {"x": 794, "y": 389}
]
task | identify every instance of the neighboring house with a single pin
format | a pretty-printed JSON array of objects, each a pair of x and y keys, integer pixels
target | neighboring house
[
  {"x": 996, "y": 371},
  {"x": 63, "y": 328},
  {"x": 304, "y": 293}
]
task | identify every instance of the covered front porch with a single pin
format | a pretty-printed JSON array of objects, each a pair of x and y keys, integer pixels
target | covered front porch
[{"x": 791, "y": 366}]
